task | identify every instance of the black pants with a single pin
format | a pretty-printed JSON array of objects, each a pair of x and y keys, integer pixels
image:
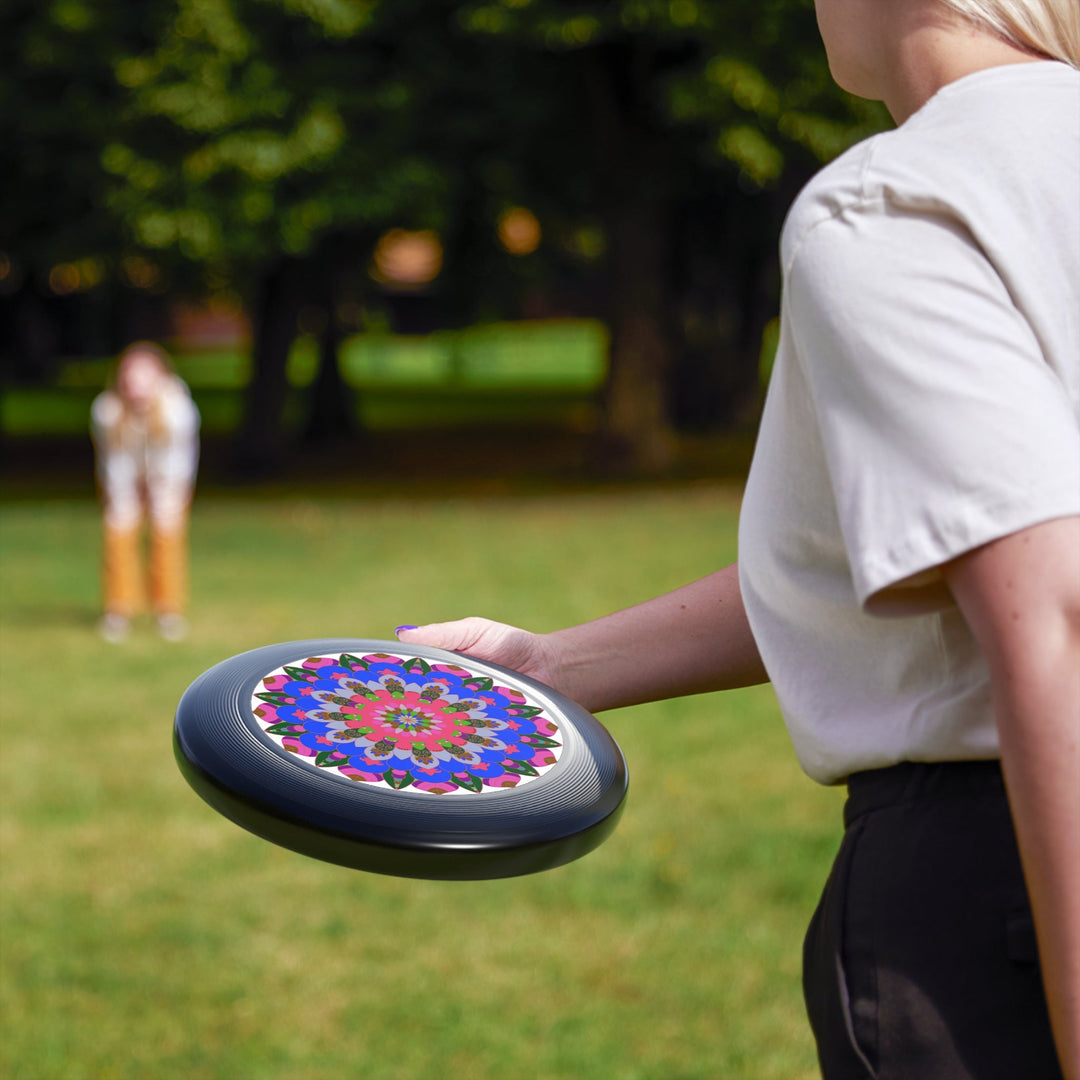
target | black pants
[{"x": 920, "y": 961}]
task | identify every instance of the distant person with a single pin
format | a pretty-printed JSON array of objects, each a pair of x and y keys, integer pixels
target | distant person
[
  {"x": 909, "y": 549},
  {"x": 146, "y": 437}
]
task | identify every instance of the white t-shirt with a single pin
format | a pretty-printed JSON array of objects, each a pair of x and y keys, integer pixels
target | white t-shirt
[
  {"x": 925, "y": 400},
  {"x": 143, "y": 462}
]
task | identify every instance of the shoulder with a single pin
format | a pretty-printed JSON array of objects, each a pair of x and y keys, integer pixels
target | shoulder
[
  {"x": 835, "y": 190},
  {"x": 106, "y": 410},
  {"x": 984, "y": 153},
  {"x": 176, "y": 404}
]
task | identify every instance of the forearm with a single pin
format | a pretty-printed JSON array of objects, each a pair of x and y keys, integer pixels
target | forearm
[
  {"x": 690, "y": 641},
  {"x": 1021, "y": 598},
  {"x": 1039, "y": 727}
]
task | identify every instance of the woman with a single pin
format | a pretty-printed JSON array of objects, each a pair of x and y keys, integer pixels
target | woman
[
  {"x": 145, "y": 430},
  {"x": 909, "y": 574}
]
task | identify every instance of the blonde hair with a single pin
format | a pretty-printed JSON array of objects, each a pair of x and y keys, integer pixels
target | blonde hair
[{"x": 1048, "y": 27}]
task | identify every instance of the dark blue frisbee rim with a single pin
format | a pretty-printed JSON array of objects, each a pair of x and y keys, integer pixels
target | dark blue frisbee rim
[{"x": 556, "y": 818}]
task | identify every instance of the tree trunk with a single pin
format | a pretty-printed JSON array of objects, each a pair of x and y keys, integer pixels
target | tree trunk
[
  {"x": 637, "y": 424},
  {"x": 35, "y": 336},
  {"x": 261, "y": 446},
  {"x": 634, "y": 194},
  {"x": 727, "y": 283},
  {"x": 331, "y": 416}
]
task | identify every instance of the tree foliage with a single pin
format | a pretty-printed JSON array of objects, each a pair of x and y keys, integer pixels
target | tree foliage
[{"x": 264, "y": 145}]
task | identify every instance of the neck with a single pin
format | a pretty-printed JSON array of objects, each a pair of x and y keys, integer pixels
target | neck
[{"x": 934, "y": 49}]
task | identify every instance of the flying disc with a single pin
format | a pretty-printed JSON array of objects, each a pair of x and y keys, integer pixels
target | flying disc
[{"x": 397, "y": 759}]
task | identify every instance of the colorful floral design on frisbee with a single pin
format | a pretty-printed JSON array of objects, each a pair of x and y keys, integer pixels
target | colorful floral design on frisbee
[{"x": 403, "y": 722}]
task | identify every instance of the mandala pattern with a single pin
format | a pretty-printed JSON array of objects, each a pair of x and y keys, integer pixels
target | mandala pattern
[{"x": 406, "y": 723}]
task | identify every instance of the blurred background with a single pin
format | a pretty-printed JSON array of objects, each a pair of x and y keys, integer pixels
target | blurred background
[
  {"x": 477, "y": 301},
  {"x": 348, "y": 216}
]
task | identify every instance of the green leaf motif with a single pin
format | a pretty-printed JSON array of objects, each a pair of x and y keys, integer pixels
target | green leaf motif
[
  {"x": 524, "y": 710},
  {"x": 302, "y": 673},
  {"x": 417, "y": 661},
  {"x": 397, "y": 782},
  {"x": 276, "y": 697},
  {"x": 480, "y": 682},
  {"x": 285, "y": 728},
  {"x": 522, "y": 768},
  {"x": 322, "y": 759},
  {"x": 470, "y": 783},
  {"x": 347, "y": 660},
  {"x": 539, "y": 741}
]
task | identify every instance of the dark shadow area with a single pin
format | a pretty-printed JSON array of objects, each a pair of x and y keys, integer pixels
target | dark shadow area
[{"x": 432, "y": 462}]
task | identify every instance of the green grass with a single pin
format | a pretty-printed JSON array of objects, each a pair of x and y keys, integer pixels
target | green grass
[
  {"x": 144, "y": 936},
  {"x": 546, "y": 371}
]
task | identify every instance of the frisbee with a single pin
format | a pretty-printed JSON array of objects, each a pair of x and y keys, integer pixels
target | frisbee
[{"x": 400, "y": 759}]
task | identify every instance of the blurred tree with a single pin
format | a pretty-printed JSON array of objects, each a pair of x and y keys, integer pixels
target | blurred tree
[
  {"x": 693, "y": 124},
  {"x": 296, "y": 133},
  {"x": 261, "y": 147},
  {"x": 59, "y": 106},
  {"x": 281, "y": 125}
]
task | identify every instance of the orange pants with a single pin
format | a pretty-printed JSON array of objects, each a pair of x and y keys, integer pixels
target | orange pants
[{"x": 124, "y": 584}]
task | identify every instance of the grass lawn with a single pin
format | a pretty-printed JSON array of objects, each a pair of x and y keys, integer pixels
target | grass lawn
[
  {"x": 146, "y": 937},
  {"x": 545, "y": 371}
]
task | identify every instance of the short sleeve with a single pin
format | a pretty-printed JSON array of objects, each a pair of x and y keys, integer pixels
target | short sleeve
[
  {"x": 105, "y": 414},
  {"x": 179, "y": 412},
  {"x": 944, "y": 426}
]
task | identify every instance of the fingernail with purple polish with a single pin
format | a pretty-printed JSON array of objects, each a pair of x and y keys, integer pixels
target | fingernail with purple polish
[{"x": 397, "y": 630}]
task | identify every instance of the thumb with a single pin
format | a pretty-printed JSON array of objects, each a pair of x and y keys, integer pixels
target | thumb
[
  {"x": 497, "y": 642},
  {"x": 454, "y": 636}
]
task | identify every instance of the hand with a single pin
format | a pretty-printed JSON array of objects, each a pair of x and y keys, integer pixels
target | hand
[{"x": 508, "y": 646}]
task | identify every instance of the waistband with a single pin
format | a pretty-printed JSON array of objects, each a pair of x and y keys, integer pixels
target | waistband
[{"x": 912, "y": 781}]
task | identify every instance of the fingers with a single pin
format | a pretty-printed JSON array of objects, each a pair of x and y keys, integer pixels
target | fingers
[
  {"x": 482, "y": 638},
  {"x": 457, "y": 636}
]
